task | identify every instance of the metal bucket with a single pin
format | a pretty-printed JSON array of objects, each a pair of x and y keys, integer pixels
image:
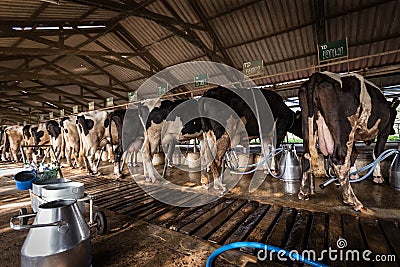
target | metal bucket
[
  {"x": 289, "y": 165},
  {"x": 59, "y": 236},
  {"x": 394, "y": 176}
]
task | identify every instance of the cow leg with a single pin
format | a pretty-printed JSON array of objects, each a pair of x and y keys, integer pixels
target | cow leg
[
  {"x": 379, "y": 147},
  {"x": 147, "y": 157},
  {"x": 353, "y": 168},
  {"x": 207, "y": 152},
  {"x": 349, "y": 197},
  {"x": 217, "y": 169},
  {"x": 307, "y": 172},
  {"x": 168, "y": 157},
  {"x": 14, "y": 152},
  {"x": 118, "y": 154}
]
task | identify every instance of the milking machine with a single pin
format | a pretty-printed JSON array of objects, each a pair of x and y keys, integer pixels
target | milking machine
[
  {"x": 394, "y": 176},
  {"x": 289, "y": 164}
]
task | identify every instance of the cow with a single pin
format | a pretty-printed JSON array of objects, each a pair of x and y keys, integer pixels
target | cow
[
  {"x": 4, "y": 144},
  {"x": 92, "y": 127},
  {"x": 56, "y": 138},
  {"x": 243, "y": 123},
  {"x": 72, "y": 141},
  {"x": 13, "y": 135},
  {"x": 336, "y": 112},
  {"x": 163, "y": 126},
  {"x": 39, "y": 136},
  {"x": 116, "y": 119}
]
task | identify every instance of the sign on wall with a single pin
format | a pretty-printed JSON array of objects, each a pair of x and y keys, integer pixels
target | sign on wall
[
  {"x": 162, "y": 88},
  {"x": 332, "y": 50},
  {"x": 91, "y": 105},
  {"x": 201, "y": 80},
  {"x": 41, "y": 118},
  {"x": 255, "y": 67},
  {"x": 132, "y": 96},
  {"x": 75, "y": 109},
  {"x": 62, "y": 112},
  {"x": 110, "y": 101},
  {"x": 51, "y": 115}
]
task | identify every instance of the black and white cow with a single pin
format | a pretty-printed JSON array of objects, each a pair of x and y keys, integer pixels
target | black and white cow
[
  {"x": 4, "y": 144},
  {"x": 165, "y": 126},
  {"x": 56, "y": 138},
  {"x": 12, "y": 135},
  {"x": 115, "y": 122},
  {"x": 72, "y": 141},
  {"x": 40, "y": 137},
  {"x": 219, "y": 138},
  {"x": 92, "y": 127},
  {"x": 336, "y": 112}
]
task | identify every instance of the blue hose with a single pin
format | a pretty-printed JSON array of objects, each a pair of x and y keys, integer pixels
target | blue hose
[{"x": 260, "y": 246}]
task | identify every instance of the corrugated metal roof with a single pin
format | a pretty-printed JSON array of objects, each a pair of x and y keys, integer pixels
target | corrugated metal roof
[{"x": 282, "y": 33}]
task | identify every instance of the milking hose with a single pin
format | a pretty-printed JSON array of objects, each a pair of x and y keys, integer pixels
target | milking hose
[
  {"x": 385, "y": 154},
  {"x": 261, "y": 246},
  {"x": 257, "y": 165}
]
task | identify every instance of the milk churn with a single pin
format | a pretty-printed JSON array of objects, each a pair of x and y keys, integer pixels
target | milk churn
[
  {"x": 59, "y": 236},
  {"x": 289, "y": 165},
  {"x": 394, "y": 176}
]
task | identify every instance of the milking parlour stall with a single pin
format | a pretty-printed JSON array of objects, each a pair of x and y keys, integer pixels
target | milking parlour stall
[{"x": 199, "y": 133}]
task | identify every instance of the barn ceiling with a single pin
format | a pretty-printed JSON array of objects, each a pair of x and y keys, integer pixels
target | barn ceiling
[{"x": 58, "y": 54}]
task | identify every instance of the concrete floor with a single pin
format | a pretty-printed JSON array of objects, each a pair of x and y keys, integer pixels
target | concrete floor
[{"x": 380, "y": 201}]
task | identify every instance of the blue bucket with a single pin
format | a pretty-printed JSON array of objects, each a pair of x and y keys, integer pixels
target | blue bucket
[{"x": 24, "y": 179}]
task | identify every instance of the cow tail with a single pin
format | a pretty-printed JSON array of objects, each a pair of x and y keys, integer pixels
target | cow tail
[
  {"x": 110, "y": 120},
  {"x": 310, "y": 94}
]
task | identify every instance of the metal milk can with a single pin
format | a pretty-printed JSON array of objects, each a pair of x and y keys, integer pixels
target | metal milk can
[
  {"x": 289, "y": 165},
  {"x": 394, "y": 176},
  {"x": 59, "y": 236}
]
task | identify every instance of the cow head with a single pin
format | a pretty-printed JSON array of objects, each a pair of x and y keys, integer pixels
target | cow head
[
  {"x": 25, "y": 131},
  {"x": 192, "y": 127},
  {"x": 53, "y": 128},
  {"x": 37, "y": 135},
  {"x": 85, "y": 124}
]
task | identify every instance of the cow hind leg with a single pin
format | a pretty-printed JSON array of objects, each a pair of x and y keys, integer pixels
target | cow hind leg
[
  {"x": 379, "y": 147},
  {"x": 217, "y": 169},
  {"x": 304, "y": 192},
  {"x": 353, "y": 168},
  {"x": 349, "y": 197}
]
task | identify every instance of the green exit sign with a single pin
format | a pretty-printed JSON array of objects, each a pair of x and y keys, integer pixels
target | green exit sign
[
  {"x": 75, "y": 109},
  {"x": 201, "y": 80},
  {"x": 255, "y": 67},
  {"x": 332, "y": 50},
  {"x": 162, "y": 88},
  {"x": 132, "y": 96},
  {"x": 62, "y": 112},
  {"x": 51, "y": 115},
  {"x": 91, "y": 105},
  {"x": 110, "y": 101}
]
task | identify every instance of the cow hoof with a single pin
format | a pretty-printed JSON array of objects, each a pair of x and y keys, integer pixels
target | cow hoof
[
  {"x": 118, "y": 176},
  {"x": 354, "y": 177},
  {"x": 378, "y": 180},
  {"x": 359, "y": 207},
  {"x": 205, "y": 186},
  {"x": 303, "y": 196},
  {"x": 148, "y": 180}
]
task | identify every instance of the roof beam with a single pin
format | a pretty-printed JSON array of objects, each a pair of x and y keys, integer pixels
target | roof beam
[
  {"x": 8, "y": 51},
  {"x": 138, "y": 10}
]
